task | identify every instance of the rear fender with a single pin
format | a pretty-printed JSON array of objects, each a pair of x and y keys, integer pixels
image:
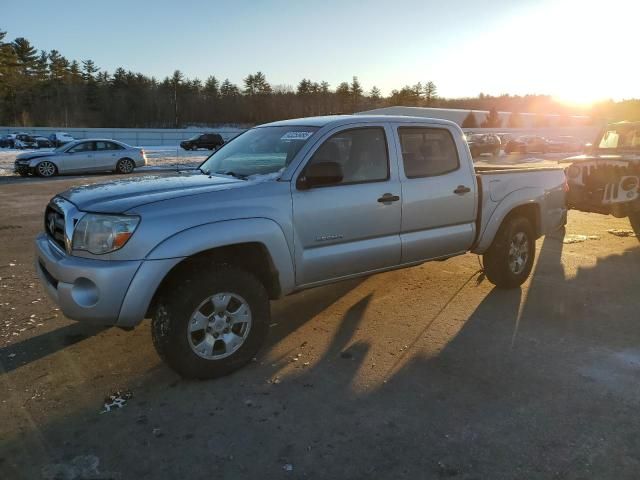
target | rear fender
[{"x": 549, "y": 217}]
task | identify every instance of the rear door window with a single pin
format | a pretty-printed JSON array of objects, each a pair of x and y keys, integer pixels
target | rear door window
[
  {"x": 427, "y": 152},
  {"x": 83, "y": 147}
]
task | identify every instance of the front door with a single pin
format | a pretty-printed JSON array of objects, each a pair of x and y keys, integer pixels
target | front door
[
  {"x": 352, "y": 225},
  {"x": 80, "y": 157}
]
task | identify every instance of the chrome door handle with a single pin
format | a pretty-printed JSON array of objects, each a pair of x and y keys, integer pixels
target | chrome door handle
[
  {"x": 388, "y": 197},
  {"x": 461, "y": 190}
]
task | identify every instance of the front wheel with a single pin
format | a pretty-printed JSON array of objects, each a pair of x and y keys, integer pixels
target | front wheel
[
  {"x": 125, "y": 165},
  {"x": 46, "y": 169},
  {"x": 509, "y": 260},
  {"x": 211, "y": 322}
]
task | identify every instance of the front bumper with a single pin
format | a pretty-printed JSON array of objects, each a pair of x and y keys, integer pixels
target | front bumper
[
  {"x": 85, "y": 289},
  {"x": 103, "y": 292},
  {"x": 22, "y": 168}
]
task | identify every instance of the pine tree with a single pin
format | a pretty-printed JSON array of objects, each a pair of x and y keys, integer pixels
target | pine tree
[
  {"x": 26, "y": 54},
  {"x": 356, "y": 93},
  {"x": 228, "y": 89},
  {"x": 492, "y": 120},
  {"x": 430, "y": 93},
  {"x": 470, "y": 121},
  {"x": 212, "y": 87}
]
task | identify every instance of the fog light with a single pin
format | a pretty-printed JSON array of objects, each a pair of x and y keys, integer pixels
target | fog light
[{"x": 84, "y": 292}]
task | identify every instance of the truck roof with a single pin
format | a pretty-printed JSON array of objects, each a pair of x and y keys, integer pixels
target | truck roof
[{"x": 338, "y": 120}]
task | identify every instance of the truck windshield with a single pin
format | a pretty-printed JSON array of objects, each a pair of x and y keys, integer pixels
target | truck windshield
[
  {"x": 620, "y": 137},
  {"x": 259, "y": 151}
]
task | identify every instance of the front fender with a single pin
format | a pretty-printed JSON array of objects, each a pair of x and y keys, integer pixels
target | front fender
[{"x": 198, "y": 239}]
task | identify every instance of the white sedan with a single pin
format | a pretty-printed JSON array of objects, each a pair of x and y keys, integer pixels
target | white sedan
[{"x": 82, "y": 156}]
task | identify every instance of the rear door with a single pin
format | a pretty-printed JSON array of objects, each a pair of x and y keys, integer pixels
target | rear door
[
  {"x": 353, "y": 225},
  {"x": 439, "y": 193},
  {"x": 107, "y": 155}
]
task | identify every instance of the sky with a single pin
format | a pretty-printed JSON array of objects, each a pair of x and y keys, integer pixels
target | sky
[{"x": 578, "y": 51}]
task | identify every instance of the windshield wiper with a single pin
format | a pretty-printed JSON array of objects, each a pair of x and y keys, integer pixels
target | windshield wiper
[{"x": 233, "y": 174}]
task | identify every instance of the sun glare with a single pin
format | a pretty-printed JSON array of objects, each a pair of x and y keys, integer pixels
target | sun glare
[{"x": 579, "y": 52}]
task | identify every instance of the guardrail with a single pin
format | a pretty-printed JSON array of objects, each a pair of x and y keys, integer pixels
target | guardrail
[{"x": 131, "y": 136}]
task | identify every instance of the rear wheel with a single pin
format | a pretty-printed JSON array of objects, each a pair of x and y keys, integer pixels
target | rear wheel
[
  {"x": 125, "y": 165},
  {"x": 46, "y": 169},
  {"x": 509, "y": 260},
  {"x": 211, "y": 321},
  {"x": 634, "y": 219}
]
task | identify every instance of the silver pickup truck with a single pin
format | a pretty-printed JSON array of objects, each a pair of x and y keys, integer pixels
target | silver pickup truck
[{"x": 281, "y": 208}]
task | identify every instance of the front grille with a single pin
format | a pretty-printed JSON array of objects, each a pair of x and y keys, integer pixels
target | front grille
[{"x": 54, "y": 225}]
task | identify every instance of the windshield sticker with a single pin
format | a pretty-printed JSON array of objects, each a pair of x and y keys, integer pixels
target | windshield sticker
[{"x": 296, "y": 135}]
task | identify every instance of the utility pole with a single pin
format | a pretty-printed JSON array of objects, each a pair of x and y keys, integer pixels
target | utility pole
[{"x": 175, "y": 103}]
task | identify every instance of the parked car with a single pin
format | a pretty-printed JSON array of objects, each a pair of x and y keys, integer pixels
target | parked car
[
  {"x": 564, "y": 144},
  {"x": 285, "y": 207},
  {"x": 505, "y": 138},
  {"x": 7, "y": 141},
  {"x": 527, "y": 144},
  {"x": 606, "y": 179},
  {"x": 210, "y": 141},
  {"x": 80, "y": 156},
  {"x": 43, "y": 142},
  {"x": 60, "y": 138},
  {"x": 480, "y": 143},
  {"x": 24, "y": 141}
]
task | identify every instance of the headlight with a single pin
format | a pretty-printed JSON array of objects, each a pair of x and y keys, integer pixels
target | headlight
[{"x": 100, "y": 234}]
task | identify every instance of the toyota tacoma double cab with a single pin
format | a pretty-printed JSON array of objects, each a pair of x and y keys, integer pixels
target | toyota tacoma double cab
[
  {"x": 285, "y": 207},
  {"x": 606, "y": 179}
]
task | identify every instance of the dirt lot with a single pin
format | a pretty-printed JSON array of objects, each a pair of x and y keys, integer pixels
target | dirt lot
[{"x": 428, "y": 372}]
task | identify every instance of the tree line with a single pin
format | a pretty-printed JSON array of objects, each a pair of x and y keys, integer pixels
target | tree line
[{"x": 44, "y": 88}]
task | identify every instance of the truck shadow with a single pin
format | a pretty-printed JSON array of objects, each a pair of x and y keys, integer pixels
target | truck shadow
[
  {"x": 539, "y": 382},
  {"x": 22, "y": 353}
]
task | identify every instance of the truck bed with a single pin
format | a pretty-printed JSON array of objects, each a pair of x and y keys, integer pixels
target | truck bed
[
  {"x": 497, "y": 169},
  {"x": 503, "y": 188}
]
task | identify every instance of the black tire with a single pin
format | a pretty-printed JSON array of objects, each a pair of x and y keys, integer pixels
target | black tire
[
  {"x": 46, "y": 169},
  {"x": 171, "y": 319},
  {"x": 498, "y": 260},
  {"x": 634, "y": 220},
  {"x": 125, "y": 165}
]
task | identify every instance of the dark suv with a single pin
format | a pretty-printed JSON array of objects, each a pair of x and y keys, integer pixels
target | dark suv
[
  {"x": 480, "y": 143},
  {"x": 210, "y": 141}
]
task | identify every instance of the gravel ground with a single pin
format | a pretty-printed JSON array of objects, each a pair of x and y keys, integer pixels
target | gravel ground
[{"x": 427, "y": 372}]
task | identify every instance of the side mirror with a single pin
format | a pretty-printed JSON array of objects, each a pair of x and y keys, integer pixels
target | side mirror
[{"x": 320, "y": 174}]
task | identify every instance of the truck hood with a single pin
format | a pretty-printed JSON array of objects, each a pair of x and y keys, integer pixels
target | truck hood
[
  {"x": 122, "y": 195},
  {"x": 32, "y": 155}
]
